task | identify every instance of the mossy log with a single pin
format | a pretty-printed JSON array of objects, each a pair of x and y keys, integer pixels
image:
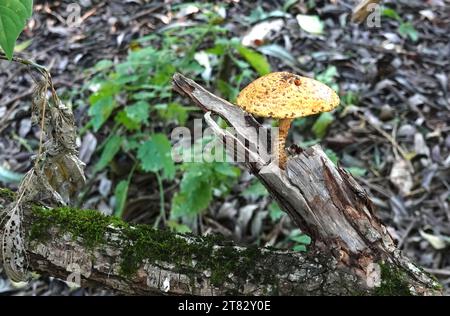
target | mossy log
[
  {"x": 352, "y": 253},
  {"x": 87, "y": 247}
]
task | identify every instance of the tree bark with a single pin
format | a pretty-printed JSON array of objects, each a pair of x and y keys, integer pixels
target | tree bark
[
  {"x": 57, "y": 246},
  {"x": 323, "y": 200},
  {"x": 352, "y": 253}
]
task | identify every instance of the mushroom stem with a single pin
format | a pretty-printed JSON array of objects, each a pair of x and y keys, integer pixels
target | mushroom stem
[{"x": 284, "y": 125}]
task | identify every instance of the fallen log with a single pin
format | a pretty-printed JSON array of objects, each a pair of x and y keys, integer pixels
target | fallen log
[
  {"x": 91, "y": 249},
  {"x": 352, "y": 253}
]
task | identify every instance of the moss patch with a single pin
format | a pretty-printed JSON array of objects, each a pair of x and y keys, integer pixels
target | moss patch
[
  {"x": 141, "y": 242},
  {"x": 393, "y": 282},
  {"x": 89, "y": 225},
  {"x": 7, "y": 193}
]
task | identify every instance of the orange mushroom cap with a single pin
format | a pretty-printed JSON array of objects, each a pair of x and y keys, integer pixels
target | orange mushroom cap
[{"x": 284, "y": 95}]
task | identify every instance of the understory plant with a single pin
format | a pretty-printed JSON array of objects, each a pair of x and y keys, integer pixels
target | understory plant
[{"x": 132, "y": 102}]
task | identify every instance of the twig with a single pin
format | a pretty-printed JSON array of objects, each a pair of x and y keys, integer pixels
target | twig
[{"x": 390, "y": 139}]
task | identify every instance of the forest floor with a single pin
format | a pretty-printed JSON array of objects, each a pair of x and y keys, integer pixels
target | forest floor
[{"x": 392, "y": 130}]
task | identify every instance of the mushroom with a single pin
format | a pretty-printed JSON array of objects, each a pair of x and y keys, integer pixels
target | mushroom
[{"x": 285, "y": 96}]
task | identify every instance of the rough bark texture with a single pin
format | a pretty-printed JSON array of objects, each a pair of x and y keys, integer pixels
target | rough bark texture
[
  {"x": 352, "y": 253},
  {"x": 323, "y": 200},
  {"x": 61, "y": 246}
]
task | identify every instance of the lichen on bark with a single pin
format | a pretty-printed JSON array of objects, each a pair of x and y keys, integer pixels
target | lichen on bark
[{"x": 222, "y": 260}]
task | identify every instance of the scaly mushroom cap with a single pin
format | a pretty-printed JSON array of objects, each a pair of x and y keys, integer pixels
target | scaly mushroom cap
[{"x": 285, "y": 95}]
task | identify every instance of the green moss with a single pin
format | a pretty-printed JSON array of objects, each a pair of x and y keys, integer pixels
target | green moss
[
  {"x": 7, "y": 193},
  {"x": 89, "y": 225},
  {"x": 141, "y": 242},
  {"x": 393, "y": 282}
]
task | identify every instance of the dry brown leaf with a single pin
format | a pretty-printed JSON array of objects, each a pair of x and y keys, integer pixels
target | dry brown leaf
[{"x": 401, "y": 176}]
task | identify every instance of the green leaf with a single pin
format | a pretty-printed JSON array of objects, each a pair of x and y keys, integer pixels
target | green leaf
[
  {"x": 275, "y": 211},
  {"x": 138, "y": 112},
  {"x": 179, "y": 228},
  {"x": 112, "y": 147},
  {"x": 279, "y": 52},
  {"x": 256, "y": 190},
  {"x": 8, "y": 176},
  {"x": 321, "y": 124},
  {"x": 356, "y": 171},
  {"x": 227, "y": 170},
  {"x": 227, "y": 91},
  {"x": 102, "y": 104},
  {"x": 408, "y": 30},
  {"x": 328, "y": 77},
  {"x": 332, "y": 156},
  {"x": 196, "y": 188},
  {"x": 103, "y": 65},
  {"x": 192, "y": 201},
  {"x": 310, "y": 23},
  {"x": 302, "y": 239},
  {"x": 256, "y": 60},
  {"x": 391, "y": 13},
  {"x": 121, "y": 193},
  {"x": 173, "y": 111},
  {"x": 123, "y": 119},
  {"x": 299, "y": 248},
  {"x": 155, "y": 155},
  {"x": 13, "y": 18},
  {"x": 22, "y": 46}
]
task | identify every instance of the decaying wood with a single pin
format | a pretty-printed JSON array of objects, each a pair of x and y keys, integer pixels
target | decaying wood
[
  {"x": 323, "y": 200},
  {"x": 352, "y": 252},
  {"x": 60, "y": 255}
]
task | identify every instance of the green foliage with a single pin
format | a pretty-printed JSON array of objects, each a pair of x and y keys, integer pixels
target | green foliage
[
  {"x": 275, "y": 211},
  {"x": 408, "y": 30},
  {"x": 7, "y": 176},
  {"x": 332, "y": 155},
  {"x": 120, "y": 194},
  {"x": 357, "y": 171},
  {"x": 405, "y": 29},
  {"x": 136, "y": 96},
  {"x": 259, "y": 62},
  {"x": 199, "y": 182},
  {"x": 13, "y": 18},
  {"x": 350, "y": 98},
  {"x": 155, "y": 155},
  {"x": 255, "y": 190},
  {"x": 328, "y": 77},
  {"x": 112, "y": 147},
  {"x": 391, "y": 13},
  {"x": 320, "y": 127},
  {"x": 300, "y": 240}
]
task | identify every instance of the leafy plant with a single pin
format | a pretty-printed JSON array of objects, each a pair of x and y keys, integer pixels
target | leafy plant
[
  {"x": 199, "y": 182},
  {"x": 320, "y": 126},
  {"x": 135, "y": 96},
  {"x": 13, "y": 17},
  {"x": 300, "y": 240},
  {"x": 328, "y": 77},
  {"x": 255, "y": 190},
  {"x": 405, "y": 29},
  {"x": 408, "y": 30},
  {"x": 275, "y": 211}
]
